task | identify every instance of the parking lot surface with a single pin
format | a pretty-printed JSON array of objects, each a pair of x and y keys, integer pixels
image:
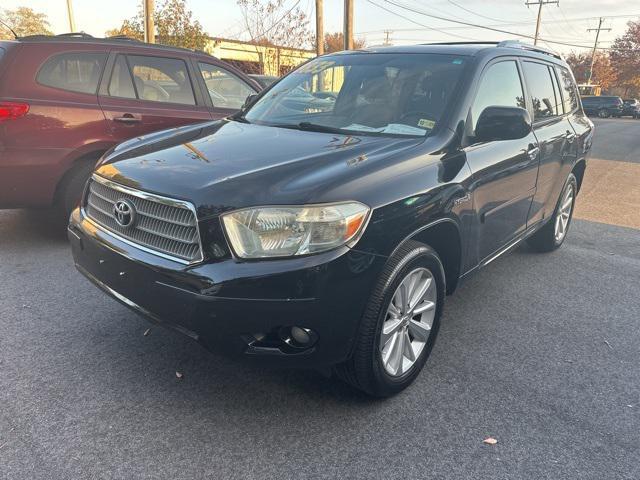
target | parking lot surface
[{"x": 537, "y": 351}]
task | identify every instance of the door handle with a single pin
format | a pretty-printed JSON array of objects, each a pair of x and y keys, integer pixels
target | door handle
[
  {"x": 533, "y": 153},
  {"x": 127, "y": 118}
]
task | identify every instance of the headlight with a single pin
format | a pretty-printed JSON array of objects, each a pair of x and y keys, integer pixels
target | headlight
[{"x": 286, "y": 231}]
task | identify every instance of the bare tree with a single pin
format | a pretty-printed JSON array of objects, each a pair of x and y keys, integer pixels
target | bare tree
[
  {"x": 334, "y": 42},
  {"x": 273, "y": 23}
]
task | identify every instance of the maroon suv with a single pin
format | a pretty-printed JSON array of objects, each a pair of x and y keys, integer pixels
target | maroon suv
[{"x": 65, "y": 100}]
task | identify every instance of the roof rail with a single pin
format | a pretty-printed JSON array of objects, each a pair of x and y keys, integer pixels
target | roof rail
[
  {"x": 84, "y": 37},
  {"x": 527, "y": 46},
  {"x": 489, "y": 42},
  {"x": 75, "y": 35},
  {"x": 122, "y": 38}
]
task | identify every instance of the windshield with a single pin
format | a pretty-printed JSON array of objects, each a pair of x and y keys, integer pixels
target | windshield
[{"x": 371, "y": 94}]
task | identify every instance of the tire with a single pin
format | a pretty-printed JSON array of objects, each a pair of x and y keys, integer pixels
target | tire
[
  {"x": 547, "y": 238},
  {"x": 71, "y": 187},
  {"x": 365, "y": 369},
  {"x": 603, "y": 113}
]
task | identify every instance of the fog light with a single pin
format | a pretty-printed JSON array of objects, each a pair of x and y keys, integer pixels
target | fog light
[
  {"x": 300, "y": 335},
  {"x": 259, "y": 336}
]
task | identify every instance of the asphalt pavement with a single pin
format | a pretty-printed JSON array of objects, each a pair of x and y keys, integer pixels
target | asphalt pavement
[{"x": 541, "y": 352}]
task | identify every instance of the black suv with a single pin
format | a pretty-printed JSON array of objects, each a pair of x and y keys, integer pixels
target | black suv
[
  {"x": 324, "y": 224},
  {"x": 631, "y": 108},
  {"x": 603, "y": 107}
]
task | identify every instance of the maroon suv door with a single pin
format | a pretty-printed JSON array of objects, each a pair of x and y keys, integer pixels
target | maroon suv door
[{"x": 142, "y": 93}]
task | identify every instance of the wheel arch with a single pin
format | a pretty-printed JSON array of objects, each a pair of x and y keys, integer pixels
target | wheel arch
[
  {"x": 444, "y": 237},
  {"x": 91, "y": 156},
  {"x": 578, "y": 170}
]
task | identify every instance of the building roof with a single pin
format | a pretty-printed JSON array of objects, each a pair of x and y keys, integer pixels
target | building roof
[{"x": 253, "y": 44}]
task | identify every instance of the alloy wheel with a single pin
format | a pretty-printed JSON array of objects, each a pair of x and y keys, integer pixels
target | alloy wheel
[
  {"x": 564, "y": 214},
  {"x": 408, "y": 321}
]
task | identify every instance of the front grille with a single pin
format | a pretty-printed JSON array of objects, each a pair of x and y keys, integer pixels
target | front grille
[{"x": 164, "y": 226}]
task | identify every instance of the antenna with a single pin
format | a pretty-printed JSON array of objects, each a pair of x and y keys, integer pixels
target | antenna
[{"x": 15, "y": 35}]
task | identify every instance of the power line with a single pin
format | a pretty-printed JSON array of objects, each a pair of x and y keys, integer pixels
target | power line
[
  {"x": 540, "y": 3},
  {"x": 581, "y": 19},
  {"x": 595, "y": 46},
  {"x": 438, "y": 17},
  {"x": 474, "y": 13},
  {"x": 418, "y": 23}
]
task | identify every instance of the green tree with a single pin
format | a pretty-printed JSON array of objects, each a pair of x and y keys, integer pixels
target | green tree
[
  {"x": 174, "y": 26},
  {"x": 24, "y": 21}
]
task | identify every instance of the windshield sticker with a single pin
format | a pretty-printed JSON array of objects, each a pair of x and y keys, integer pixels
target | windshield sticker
[
  {"x": 425, "y": 123},
  {"x": 457, "y": 61}
]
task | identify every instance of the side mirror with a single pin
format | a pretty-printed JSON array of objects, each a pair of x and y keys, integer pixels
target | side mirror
[
  {"x": 502, "y": 123},
  {"x": 249, "y": 101}
]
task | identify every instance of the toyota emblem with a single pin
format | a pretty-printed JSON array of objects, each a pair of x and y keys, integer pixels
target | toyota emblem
[{"x": 124, "y": 213}]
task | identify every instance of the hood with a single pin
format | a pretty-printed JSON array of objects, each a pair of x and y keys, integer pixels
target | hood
[{"x": 227, "y": 164}]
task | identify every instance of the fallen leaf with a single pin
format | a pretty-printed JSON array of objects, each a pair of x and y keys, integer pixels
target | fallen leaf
[
  {"x": 146, "y": 332},
  {"x": 490, "y": 441},
  {"x": 179, "y": 375}
]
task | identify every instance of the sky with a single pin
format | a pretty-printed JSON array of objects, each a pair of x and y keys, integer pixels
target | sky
[{"x": 566, "y": 23}]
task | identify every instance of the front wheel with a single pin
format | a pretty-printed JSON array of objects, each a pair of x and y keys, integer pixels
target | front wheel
[
  {"x": 552, "y": 235},
  {"x": 400, "y": 325}
]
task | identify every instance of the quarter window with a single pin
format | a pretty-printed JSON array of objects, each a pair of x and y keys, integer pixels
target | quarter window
[
  {"x": 568, "y": 90},
  {"x": 500, "y": 86},
  {"x": 121, "y": 84},
  {"x": 77, "y": 72},
  {"x": 225, "y": 89},
  {"x": 546, "y": 104},
  {"x": 154, "y": 79}
]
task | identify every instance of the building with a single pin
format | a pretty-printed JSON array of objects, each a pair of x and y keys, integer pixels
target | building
[{"x": 261, "y": 59}]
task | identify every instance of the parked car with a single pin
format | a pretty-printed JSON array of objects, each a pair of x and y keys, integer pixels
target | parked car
[
  {"x": 603, "y": 106},
  {"x": 264, "y": 80},
  {"x": 66, "y": 100},
  {"x": 329, "y": 236},
  {"x": 631, "y": 108}
]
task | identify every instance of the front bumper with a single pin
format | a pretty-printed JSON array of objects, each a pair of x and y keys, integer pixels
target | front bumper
[{"x": 224, "y": 304}]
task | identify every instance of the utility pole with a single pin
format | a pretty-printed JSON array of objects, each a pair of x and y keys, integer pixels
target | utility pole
[
  {"x": 348, "y": 25},
  {"x": 595, "y": 46},
  {"x": 149, "y": 27},
  {"x": 72, "y": 22},
  {"x": 540, "y": 3},
  {"x": 319, "y": 28},
  {"x": 387, "y": 40}
]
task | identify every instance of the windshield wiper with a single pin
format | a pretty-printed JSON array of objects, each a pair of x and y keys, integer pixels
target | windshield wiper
[
  {"x": 316, "y": 127},
  {"x": 239, "y": 117}
]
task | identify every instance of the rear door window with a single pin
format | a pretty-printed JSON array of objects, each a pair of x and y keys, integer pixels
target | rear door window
[
  {"x": 546, "y": 104},
  {"x": 77, "y": 72},
  {"x": 569, "y": 92},
  {"x": 153, "y": 79},
  {"x": 225, "y": 89},
  {"x": 500, "y": 87}
]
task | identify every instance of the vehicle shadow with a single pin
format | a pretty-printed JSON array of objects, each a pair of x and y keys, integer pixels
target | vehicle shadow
[{"x": 32, "y": 226}]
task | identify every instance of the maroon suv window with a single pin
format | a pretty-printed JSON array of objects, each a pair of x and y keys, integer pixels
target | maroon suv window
[
  {"x": 77, "y": 72},
  {"x": 153, "y": 79}
]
